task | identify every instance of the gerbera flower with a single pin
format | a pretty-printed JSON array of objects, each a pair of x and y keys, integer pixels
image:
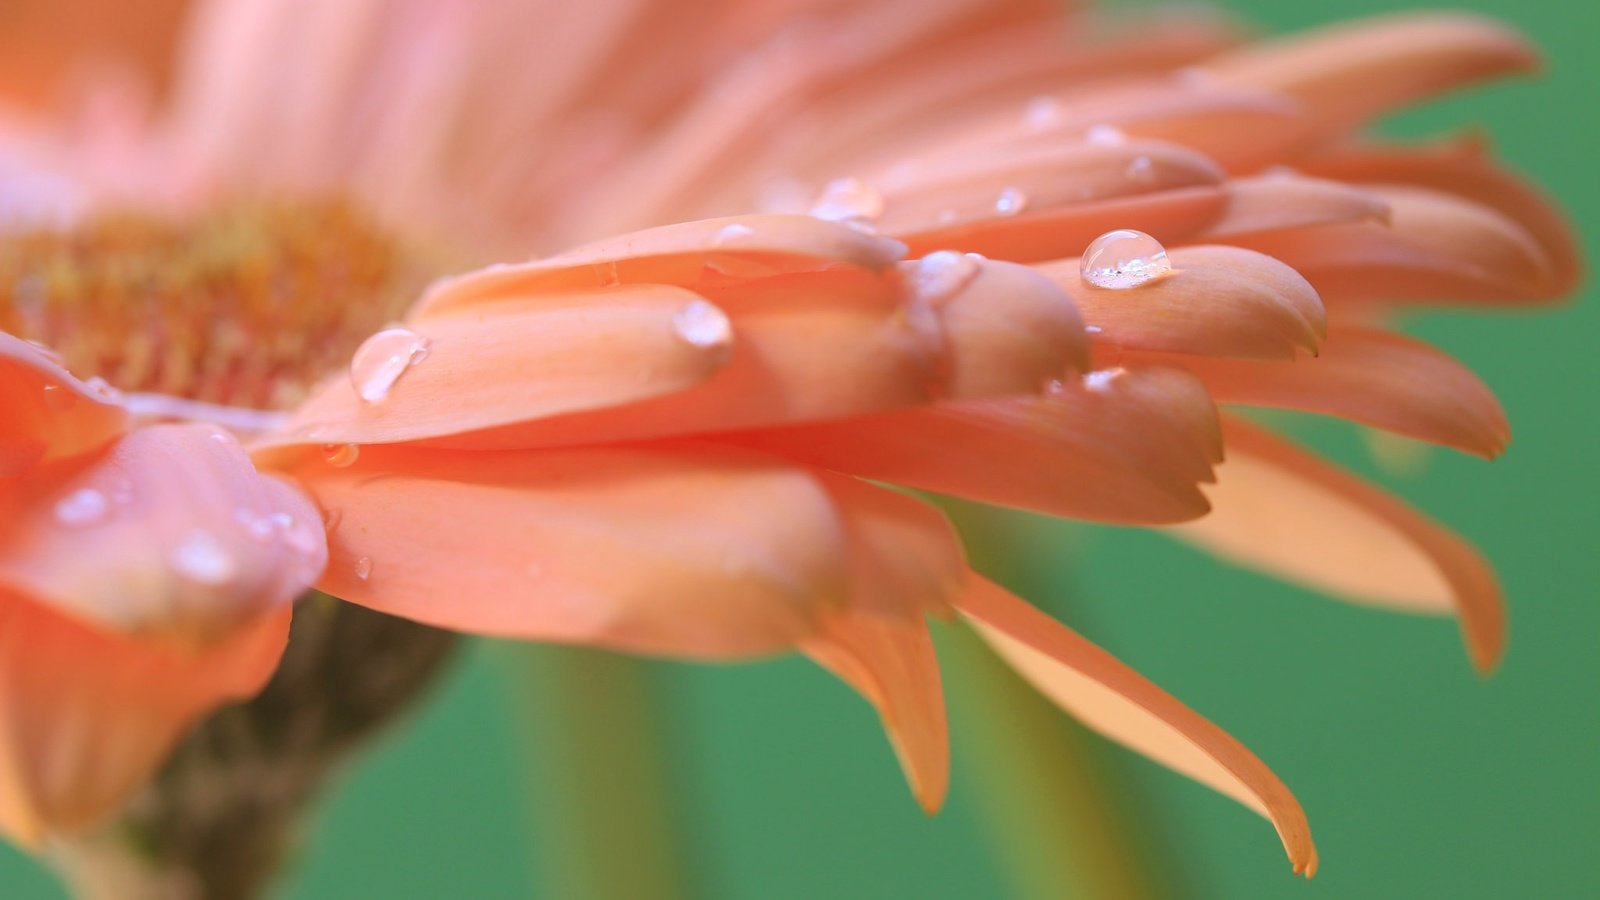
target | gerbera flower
[{"x": 1019, "y": 277}]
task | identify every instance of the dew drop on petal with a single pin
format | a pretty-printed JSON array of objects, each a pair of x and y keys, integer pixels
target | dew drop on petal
[
  {"x": 1123, "y": 259},
  {"x": 203, "y": 559},
  {"x": 259, "y": 527},
  {"x": 846, "y": 199},
  {"x": 363, "y": 568},
  {"x": 731, "y": 234},
  {"x": 1105, "y": 135},
  {"x": 59, "y": 398},
  {"x": 381, "y": 360},
  {"x": 341, "y": 456},
  {"x": 1101, "y": 380},
  {"x": 1042, "y": 112},
  {"x": 702, "y": 324},
  {"x": 1140, "y": 170},
  {"x": 84, "y": 506},
  {"x": 1093, "y": 329},
  {"x": 103, "y": 389},
  {"x": 607, "y": 273},
  {"x": 1010, "y": 202},
  {"x": 941, "y": 275}
]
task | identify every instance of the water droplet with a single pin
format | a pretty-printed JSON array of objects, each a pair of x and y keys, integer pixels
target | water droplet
[
  {"x": 1010, "y": 202},
  {"x": 1093, "y": 329},
  {"x": 259, "y": 527},
  {"x": 223, "y": 437},
  {"x": 1100, "y": 380},
  {"x": 202, "y": 558},
  {"x": 1105, "y": 135},
  {"x": 341, "y": 456},
  {"x": 1042, "y": 112},
  {"x": 703, "y": 325},
  {"x": 103, "y": 389},
  {"x": 1141, "y": 170},
  {"x": 731, "y": 234},
  {"x": 844, "y": 199},
  {"x": 607, "y": 273},
  {"x": 84, "y": 506},
  {"x": 59, "y": 398},
  {"x": 363, "y": 568},
  {"x": 1123, "y": 259},
  {"x": 941, "y": 275},
  {"x": 1054, "y": 387},
  {"x": 382, "y": 359}
]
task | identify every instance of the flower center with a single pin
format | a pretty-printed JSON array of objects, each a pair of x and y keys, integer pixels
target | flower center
[{"x": 248, "y": 306}]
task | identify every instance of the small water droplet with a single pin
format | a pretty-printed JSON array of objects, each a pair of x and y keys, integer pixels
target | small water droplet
[
  {"x": 1141, "y": 170},
  {"x": 1105, "y": 135},
  {"x": 259, "y": 527},
  {"x": 1123, "y": 259},
  {"x": 941, "y": 275},
  {"x": 84, "y": 506},
  {"x": 363, "y": 568},
  {"x": 341, "y": 456},
  {"x": 1042, "y": 112},
  {"x": 731, "y": 234},
  {"x": 223, "y": 437},
  {"x": 1093, "y": 329},
  {"x": 103, "y": 389},
  {"x": 1101, "y": 380},
  {"x": 1054, "y": 387},
  {"x": 703, "y": 325},
  {"x": 59, "y": 398},
  {"x": 846, "y": 199},
  {"x": 382, "y": 359},
  {"x": 202, "y": 558},
  {"x": 607, "y": 273},
  {"x": 1010, "y": 202}
]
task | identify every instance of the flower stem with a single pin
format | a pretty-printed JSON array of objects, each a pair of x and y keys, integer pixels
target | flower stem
[{"x": 602, "y": 797}]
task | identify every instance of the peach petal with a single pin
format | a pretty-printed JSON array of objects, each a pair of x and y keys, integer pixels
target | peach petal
[
  {"x": 684, "y": 254},
  {"x": 1348, "y": 74},
  {"x": 49, "y": 414},
  {"x": 1125, "y": 447},
  {"x": 86, "y": 716},
  {"x": 169, "y": 532},
  {"x": 1283, "y": 511},
  {"x": 892, "y": 664},
  {"x": 905, "y": 558},
  {"x": 1374, "y": 377},
  {"x": 653, "y": 549},
  {"x": 1113, "y": 699},
  {"x": 523, "y": 357},
  {"x": 1280, "y": 201},
  {"x": 1217, "y": 301}
]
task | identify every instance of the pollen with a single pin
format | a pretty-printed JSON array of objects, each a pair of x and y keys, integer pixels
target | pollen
[{"x": 249, "y": 305}]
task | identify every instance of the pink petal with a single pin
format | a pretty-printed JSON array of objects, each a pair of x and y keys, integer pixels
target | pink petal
[{"x": 49, "y": 414}]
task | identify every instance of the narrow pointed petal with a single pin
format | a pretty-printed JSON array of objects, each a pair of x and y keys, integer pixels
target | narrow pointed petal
[
  {"x": 891, "y": 662},
  {"x": 1126, "y": 447},
  {"x": 1114, "y": 700},
  {"x": 1350, "y": 74},
  {"x": 1283, "y": 511},
  {"x": 87, "y": 716},
  {"x": 1279, "y": 201},
  {"x": 167, "y": 533},
  {"x": 651, "y": 549},
  {"x": 685, "y": 254},
  {"x": 1365, "y": 375},
  {"x": 1217, "y": 301},
  {"x": 519, "y": 358},
  {"x": 48, "y": 413}
]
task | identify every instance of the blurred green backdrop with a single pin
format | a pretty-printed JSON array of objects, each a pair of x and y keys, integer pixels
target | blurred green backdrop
[{"x": 1421, "y": 780}]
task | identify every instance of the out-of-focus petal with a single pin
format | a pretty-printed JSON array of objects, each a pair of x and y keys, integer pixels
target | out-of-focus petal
[
  {"x": 1216, "y": 301},
  {"x": 690, "y": 551},
  {"x": 168, "y": 533},
  {"x": 48, "y": 413},
  {"x": 525, "y": 357},
  {"x": 87, "y": 715},
  {"x": 1374, "y": 377},
  {"x": 1115, "y": 701},
  {"x": 1286, "y": 512},
  {"x": 1278, "y": 201},
  {"x": 1126, "y": 447}
]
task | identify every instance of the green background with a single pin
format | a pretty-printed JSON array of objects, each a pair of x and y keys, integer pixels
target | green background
[{"x": 1421, "y": 779}]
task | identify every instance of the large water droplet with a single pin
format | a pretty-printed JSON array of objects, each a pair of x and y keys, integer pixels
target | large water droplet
[
  {"x": 382, "y": 359},
  {"x": 703, "y": 325},
  {"x": 848, "y": 200},
  {"x": 341, "y": 456},
  {"x": 941, "y": 275},
  {"x": 84, "y": 506},
  {"x": 59, "y": 398},
  {"x": 1123, "y": 259},
  {"x": 202, "y": 558},
  {"x": 1010, "y": 202}
]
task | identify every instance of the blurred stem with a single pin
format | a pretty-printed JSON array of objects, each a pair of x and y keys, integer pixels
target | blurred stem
[
  {"x": 1055, "y": 805},
  {"x": 602, "y": 798}
]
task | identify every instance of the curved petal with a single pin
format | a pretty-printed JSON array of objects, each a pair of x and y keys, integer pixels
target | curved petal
[
  {"x": 671, "y": 550},
  {"x": 1283, "y": 511},
  {"x": 1113, "y": 700},
  {"x": 86, "y": 716},
  {"x": 48, "y": 413},
  {"x": 1217, "y": 301},
  {"x": 1374, "y": 377},
  {"x": 1120, "y": 446},
  {"x": 168, "y": 533},
  {"x": 1278, "y": 201}
]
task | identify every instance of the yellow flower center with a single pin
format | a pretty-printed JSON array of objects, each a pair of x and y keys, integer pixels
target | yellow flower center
[{"x": 247, "y": 306}]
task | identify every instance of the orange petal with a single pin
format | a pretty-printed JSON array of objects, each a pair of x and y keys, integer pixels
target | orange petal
[
  {"x": 1279, "y": 201},
  {"x": 1437, "y": 247},
  {"x": 1374, "y": 377},
  {"x": 686, "y": 254},
  {"x": 1115, "y": 701},
  {"x": 892, "y": 663},
  {"x": 1348, "y": 74},
  {"x": 1126, "y": 447},
  {"x": 905, "y": 557},
  {"x": 649, "y": 549},
  {"x": 48, "y": 413},
  {"x": 523, "y": 357},
  {"x": 1288, "y": 513},
  {"x": 168, "y": 532},
  {"x": 86, "y": 716},
  {"x": 1217, "y": 301}
]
